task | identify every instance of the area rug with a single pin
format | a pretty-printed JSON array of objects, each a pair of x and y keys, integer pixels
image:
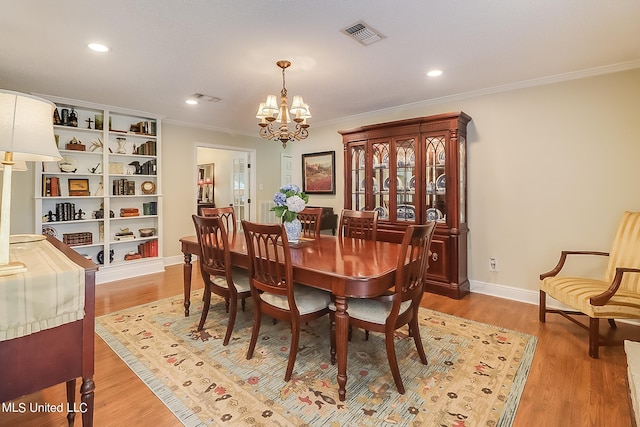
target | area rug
[{"x": 475, "y": 375}]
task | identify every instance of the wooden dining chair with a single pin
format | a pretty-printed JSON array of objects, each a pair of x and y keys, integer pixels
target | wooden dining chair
[
  {"x": 358, "y": 224},
  {"x": 272, "y": 287},
  {"x": 310, "y": 219},
  {"x": 399, "y": 306},
  {"x": 228, "y": 215},
  {"x": 217, "y": 273}
]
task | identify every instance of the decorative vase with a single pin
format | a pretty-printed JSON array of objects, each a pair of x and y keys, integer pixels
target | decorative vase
[{"x": 293, "y": 229}]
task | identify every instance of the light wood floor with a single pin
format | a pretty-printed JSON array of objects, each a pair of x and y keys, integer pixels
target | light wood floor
[{"x": 565, "y": 387}]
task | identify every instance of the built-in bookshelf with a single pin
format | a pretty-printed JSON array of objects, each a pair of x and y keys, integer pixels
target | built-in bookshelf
[{"x": 104, "y": 197}]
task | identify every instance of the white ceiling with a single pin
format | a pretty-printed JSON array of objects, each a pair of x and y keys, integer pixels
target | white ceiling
[{"x": 162, "y": 51}]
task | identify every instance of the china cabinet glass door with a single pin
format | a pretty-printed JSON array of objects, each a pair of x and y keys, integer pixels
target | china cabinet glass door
[
  {"x": 405, "y": 182},
  {"x": 435, "y": 164},
  {"x": 358, "y": 177},
  {"x": 381, "y": 179}
]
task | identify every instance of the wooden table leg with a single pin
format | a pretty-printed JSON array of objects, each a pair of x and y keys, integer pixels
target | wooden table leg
[
  {"x": 342, "y": 333},
  {"x": 186, "y": 277}
]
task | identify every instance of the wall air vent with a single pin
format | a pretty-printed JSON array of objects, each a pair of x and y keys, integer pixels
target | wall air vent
[{"x": 363, "y": 33}]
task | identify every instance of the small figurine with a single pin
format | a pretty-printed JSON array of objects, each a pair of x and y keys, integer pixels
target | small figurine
[
  {"x": 96, "y": 144},
  {"x": 121, "y": 145},
  {"x": 73, "y": 118},
  {"x": 80, "y": 214},
  {"x": 89, "y": 121}
]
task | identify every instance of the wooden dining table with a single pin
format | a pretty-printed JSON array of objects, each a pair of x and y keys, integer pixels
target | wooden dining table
[{"x": 348, "y": 268}]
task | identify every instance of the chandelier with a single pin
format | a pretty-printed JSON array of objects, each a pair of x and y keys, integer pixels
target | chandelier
[{"x": 269, "y": 112}]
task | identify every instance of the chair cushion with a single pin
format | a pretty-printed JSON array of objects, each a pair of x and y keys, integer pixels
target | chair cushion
[
  {"x": 240, "y": 280},
  {"x": 308, "y": 299},
  {"x": 576, "y": 292},
  {"x": 370, "y": 310}
]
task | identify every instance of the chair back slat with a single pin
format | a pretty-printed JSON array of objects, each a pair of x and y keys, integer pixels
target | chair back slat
[
  {"x": 413, "y": 261},
  {"x": 358, "y": 224},
  {"x": 228, "y": 215},
  {"x": 270, "y": 268},
  {"x": 310, "y": 219},
  {"x": 214, "y": 245},
  {"x": 625, "y": 252}
]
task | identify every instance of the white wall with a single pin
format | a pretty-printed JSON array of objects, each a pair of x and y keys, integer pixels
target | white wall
[{"x": 549, "y": 168}]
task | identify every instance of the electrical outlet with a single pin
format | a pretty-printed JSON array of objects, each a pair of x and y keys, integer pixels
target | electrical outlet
[{"x": 493, "y": 264}]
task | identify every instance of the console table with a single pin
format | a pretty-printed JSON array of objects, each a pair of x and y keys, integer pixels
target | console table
[{"x": 40, "y": 351}]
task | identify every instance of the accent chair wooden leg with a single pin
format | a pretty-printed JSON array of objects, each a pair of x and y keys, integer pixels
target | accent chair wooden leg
[
  {"x": 612, "y": 323},
  {"x": 393, "y": 361},
  {"x": 594, "y": 336},
  {"x": 232, "y": 320},
  {"x": 542, "y": 306}
]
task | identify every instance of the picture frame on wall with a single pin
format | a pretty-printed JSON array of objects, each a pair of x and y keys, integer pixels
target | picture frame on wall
[{"x": 319, "y": 172}]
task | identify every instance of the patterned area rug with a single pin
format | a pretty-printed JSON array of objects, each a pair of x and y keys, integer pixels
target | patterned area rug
[{"x": 475, "y": 376}]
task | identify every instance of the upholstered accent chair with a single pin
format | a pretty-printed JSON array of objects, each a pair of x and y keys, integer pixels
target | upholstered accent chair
[
  {"x": 358, "y": 224},
  {"x": 615, "y": 296},
  {"x": 310, "y": 219},
  {"x": 398, "y": 307},
  {"x": 272, "y": 287},
  {"x": 217, "y": 273},
  {"x": 228, "y": 215}
]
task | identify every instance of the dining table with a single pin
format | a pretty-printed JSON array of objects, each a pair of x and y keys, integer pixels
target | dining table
[{"x": 346, "y": 267}]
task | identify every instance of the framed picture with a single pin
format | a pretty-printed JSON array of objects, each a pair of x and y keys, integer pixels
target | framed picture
[
  {"x": 319, "y": 173},
  {"x": 78, "y": 187}
]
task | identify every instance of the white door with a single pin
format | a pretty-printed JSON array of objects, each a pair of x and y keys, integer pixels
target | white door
[
  {"x": 285, "y": 169},
  {"x": 240, "y": 179}
]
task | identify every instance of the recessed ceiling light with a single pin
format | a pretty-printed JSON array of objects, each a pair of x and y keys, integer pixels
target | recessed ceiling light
[
  {"x": 98, "y": 47},
  {"x": 434, "y": 73},
  {"x": 191, "y": 101}
]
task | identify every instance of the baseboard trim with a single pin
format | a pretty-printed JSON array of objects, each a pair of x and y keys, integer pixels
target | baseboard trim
[{"x": 524, "y": 295}]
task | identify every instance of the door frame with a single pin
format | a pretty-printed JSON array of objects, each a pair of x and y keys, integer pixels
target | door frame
[{"x": 251, "y": 159}]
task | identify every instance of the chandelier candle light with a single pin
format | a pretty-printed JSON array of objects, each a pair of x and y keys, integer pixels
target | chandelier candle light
[
  {"x": 268, "y": 112},
  {"x": 289, "y": 201}
]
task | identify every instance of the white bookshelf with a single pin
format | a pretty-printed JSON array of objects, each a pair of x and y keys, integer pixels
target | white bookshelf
[{"x": 125, "y": 151}]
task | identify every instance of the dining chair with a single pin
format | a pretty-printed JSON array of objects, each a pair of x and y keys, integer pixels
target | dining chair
[
  {"x": 310, "y": 219},
  {"x": 615, "y": 296},
  {"x": 399, "y": 306},
  {"x": 358, "y": 224},
  {"x": 227, "y": 213},
  {"x": 272, "y": 287},
  {"x": 217, "y": 273}
]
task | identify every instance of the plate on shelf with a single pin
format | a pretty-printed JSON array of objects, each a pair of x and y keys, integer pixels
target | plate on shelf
[
  {"x": 361, "y": 160},
  {"x": 406, "y": 212},
  {"x": 382, "y": 212},
  {"x": 385, "y": 160},
  {"x": 441, "y": 157},
  {"x": 434, "y": 214},
  {"x": 363, "y": 184},
  {"x": 412, "y": 183},
  {"x": 387, "y": 184},
  {"x": 441, "y": 183},
  {"x": 68, "y": 164}
]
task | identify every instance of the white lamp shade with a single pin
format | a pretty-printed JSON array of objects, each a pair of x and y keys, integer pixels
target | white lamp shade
[
  {"x": 26, "y": 127},
  {"x": 297, "y": 106},
  {"x": 271, "y": 106}
]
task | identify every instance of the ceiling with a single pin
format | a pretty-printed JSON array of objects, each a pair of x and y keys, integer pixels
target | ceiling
[{"x": 163, "y": 51}]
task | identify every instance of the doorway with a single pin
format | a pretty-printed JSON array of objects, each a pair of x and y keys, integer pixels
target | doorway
[{"x": 232, "y": 180}]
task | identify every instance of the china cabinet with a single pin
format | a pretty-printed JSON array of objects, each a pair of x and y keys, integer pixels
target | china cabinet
[
  {"x": 413, "y": 171},
  {"x": 104, "y": 197}
]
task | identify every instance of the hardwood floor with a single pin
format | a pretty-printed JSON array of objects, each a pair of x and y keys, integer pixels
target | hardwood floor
[{"x": 565, "y": 387}]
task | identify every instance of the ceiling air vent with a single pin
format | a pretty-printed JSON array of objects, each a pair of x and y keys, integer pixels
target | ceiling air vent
[
  {"x": 363, "y": 33},
  {"x": 207, "y": 98}
]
